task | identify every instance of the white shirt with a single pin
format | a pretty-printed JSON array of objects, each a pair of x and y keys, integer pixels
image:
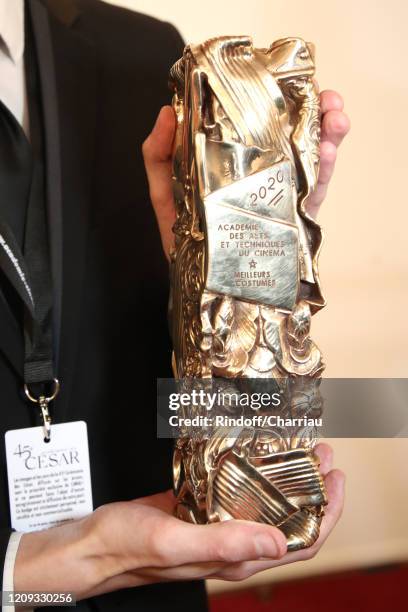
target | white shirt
[
  {"x": 12, "y": 76},
  {"x": 13, "y": 94}
]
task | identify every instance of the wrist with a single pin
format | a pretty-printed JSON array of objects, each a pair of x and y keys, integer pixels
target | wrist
[{"x": 61, "y": 559}]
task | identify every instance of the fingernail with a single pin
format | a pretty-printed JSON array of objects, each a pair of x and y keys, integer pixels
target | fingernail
[{"x": 265, "y": 546}]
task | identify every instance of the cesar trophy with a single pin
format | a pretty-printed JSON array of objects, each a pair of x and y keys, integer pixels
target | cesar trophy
[{"x": 244, "y": 274}]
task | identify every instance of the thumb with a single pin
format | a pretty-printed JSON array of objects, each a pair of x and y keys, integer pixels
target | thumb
[
  {"x": 226, "y": 542},
  {"x": 157, "y": 149}
]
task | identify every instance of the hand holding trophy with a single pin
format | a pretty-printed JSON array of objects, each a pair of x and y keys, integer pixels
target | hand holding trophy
[{"x": 244, "y": 266}]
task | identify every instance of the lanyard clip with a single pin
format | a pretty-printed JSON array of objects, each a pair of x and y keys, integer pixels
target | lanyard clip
[{"x": 43, "y": 402}]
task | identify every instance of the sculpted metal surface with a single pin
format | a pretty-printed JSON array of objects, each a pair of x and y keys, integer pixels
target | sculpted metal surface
[{"x": 244, "y": 274}]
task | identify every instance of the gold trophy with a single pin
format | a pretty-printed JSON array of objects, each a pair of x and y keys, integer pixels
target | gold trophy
[{"x": 244, "y": 274}]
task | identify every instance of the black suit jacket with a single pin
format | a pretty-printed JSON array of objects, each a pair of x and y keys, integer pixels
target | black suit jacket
[{"x": 103, "y": 74}]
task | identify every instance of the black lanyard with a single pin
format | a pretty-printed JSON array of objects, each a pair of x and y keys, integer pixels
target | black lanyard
[{"x": 30, "y": 274}]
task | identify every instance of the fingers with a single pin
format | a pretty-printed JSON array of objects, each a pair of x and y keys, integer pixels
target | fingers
[
  {"x": 163, "y": 541},
  {"x": 242, "y": 550},
  {"x": 164, "y": 548},
  {"x": 328, "y": 154},
  {"x": 335, "y": 489},
  {"x": 325, "y": 454},
  {"x": 335, "y": 126},
  {"x": 335, "y": 484},
  {"x": 158, "y": 145},
  {"x": 330, "y": 100},
  {"x": 227, "y": 542},
  {"x": 157, "y": 150},
  {"x": 232, "y": 549},
  {"x": 187, "y": 552}
]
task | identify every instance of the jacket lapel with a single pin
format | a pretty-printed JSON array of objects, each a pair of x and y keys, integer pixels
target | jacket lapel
[
  {"x": 68, "y": 81},
  {"x": 11, "y": 337}
]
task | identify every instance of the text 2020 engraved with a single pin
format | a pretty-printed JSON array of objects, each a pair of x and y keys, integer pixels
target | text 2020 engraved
[{"x": 269, "y": 189}]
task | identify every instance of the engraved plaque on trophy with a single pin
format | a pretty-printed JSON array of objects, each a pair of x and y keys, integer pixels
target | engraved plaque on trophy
[{"x": 244, "y": 272}]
